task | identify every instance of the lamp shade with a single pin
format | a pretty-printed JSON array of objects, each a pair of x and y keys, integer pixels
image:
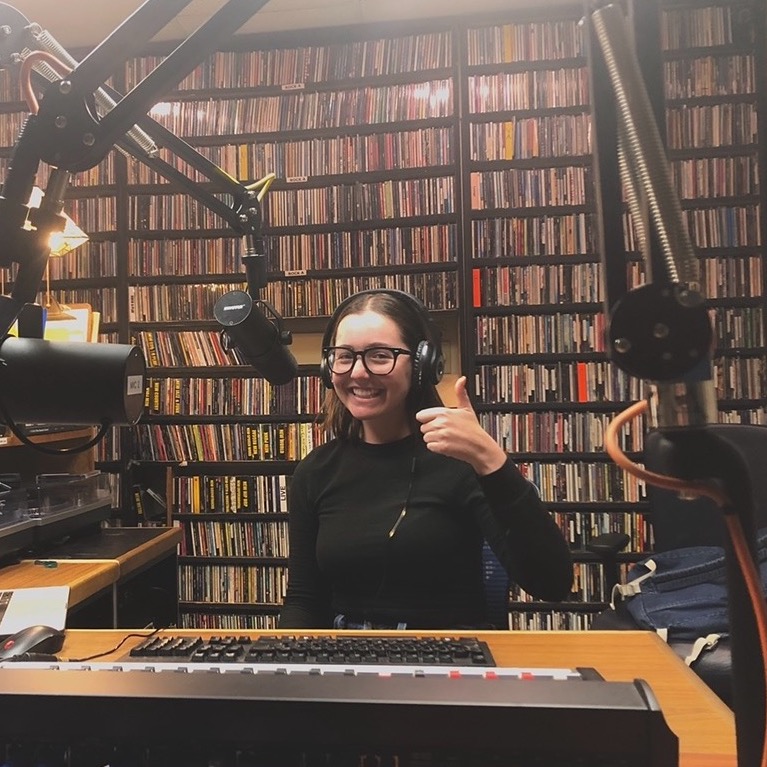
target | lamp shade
[{"x": 61, "y": 242}]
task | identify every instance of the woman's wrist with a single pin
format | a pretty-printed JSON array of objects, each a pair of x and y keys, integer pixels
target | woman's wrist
[{"x": 489, "y": 460}]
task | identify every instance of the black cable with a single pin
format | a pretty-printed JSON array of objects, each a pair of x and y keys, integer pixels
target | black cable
[
  {"x": 403, "y": 513},
  {"x": 24, "y": 439},
  {"x": 113, "y": 649}
]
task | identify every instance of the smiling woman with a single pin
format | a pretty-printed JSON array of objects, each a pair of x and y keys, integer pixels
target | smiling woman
[
  {"x": 395, "y": 321},
  {"x": 388, "y": 519},
  {"x": 372, "y": 384}
]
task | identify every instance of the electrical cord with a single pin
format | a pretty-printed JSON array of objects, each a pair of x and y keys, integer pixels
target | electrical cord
[
  {"x": 113, "y": 649},
  {"x": 25, "y": 75},
  {"x": 403, "y": 513},
  {"x": 693, "y": 487},
  {"x": 25, "y": 440},
  {"x": 752, "y": 580},
  {"x": 393, "y": 531}
]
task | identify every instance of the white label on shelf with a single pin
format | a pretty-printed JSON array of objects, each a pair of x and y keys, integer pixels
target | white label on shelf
[
  {"x": 295, "y": 273},
  {"x": 297, "y": 179},
  {"x": 135, "y": 385},
  {"x": 131, "y": 304},
  {"x": 293, "y": 86},
  {"x": 3, "y": 440}
]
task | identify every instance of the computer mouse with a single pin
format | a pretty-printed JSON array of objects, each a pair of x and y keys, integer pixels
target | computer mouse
[{"x": 33, "y": 639}]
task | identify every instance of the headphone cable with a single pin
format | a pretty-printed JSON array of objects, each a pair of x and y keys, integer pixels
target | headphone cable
[{"x": 403, "y": 513}]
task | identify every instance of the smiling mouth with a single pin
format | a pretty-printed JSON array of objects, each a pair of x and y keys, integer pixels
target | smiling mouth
[{"x": 365, "y": 393}]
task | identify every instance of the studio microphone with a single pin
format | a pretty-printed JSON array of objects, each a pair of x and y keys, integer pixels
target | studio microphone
[
  {"x": 259, "y": 341},
  {"x": 71, "y": 382}
]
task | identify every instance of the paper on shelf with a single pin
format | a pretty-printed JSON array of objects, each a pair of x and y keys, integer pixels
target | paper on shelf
[{"x": 21, "y": 608}]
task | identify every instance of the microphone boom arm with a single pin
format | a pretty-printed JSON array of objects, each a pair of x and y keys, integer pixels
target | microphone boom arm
[
  {"x": 75, "y": 125},
  {"x": 661, "y": 332},
  {"x": 68, "y": 134}
]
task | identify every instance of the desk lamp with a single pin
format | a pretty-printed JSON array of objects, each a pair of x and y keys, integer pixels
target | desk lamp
[{"x": 61, "y": 243}]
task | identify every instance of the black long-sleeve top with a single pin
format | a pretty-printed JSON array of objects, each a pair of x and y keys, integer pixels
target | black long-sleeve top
[{"x": 346, "y": 497}]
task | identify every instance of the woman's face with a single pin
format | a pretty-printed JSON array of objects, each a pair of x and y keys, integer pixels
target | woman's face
[{"x": 378, "y": 401}]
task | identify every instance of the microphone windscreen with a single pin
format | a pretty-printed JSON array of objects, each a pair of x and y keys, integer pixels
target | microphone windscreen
[
  {"x": 72, "y": 382},
  {"x": 255, "y": 337}
]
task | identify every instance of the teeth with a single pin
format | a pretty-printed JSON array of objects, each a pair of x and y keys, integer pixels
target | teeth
[{"x": 364, "y": 393}]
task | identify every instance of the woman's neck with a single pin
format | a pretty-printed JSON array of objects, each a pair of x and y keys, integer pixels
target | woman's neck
[{"x": 382, "y": 433}]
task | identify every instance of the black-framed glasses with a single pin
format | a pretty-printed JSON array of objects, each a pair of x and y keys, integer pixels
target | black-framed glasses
[{"x": 378, "y": 360}]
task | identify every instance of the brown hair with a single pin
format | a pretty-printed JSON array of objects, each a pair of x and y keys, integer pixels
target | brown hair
[{"x": 414, "y": 327}]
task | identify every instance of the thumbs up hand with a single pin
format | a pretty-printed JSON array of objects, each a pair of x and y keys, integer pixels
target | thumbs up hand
[{"x": 456, "y": 432}]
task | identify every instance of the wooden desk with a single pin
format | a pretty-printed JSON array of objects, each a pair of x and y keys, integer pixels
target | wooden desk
[
  {"x": 147, "y": 550},
  {"x": 704, "y": 725},
  {"x": 97, "y": 564},
  {"x": 85, "y": 579},
  {"x": 131, "y": 548}
]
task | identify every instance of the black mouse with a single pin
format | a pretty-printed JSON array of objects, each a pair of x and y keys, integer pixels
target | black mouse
[{"x": 33, "y": 639}]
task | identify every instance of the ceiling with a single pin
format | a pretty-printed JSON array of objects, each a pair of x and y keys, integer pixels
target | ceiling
[{"x": 83, "y": 23}]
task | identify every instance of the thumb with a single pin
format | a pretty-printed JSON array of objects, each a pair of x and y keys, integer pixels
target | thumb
[{"x": 461, "y": 395}]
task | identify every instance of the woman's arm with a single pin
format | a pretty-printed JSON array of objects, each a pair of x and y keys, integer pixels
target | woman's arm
[
  {"x": 307, "y": 602},
  {"x": 524, "y": 535},
  {"x": 521, "y": 532}
]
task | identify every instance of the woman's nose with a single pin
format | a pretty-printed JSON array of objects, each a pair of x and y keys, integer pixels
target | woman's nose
[{"x": 358, "y": 368}]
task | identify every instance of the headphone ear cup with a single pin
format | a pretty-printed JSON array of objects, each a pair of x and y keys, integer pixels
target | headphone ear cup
[
  {"x": 428, "y": 365},
  {"x": 325, "y": 373},
  {"x": 439, "y": 367}
]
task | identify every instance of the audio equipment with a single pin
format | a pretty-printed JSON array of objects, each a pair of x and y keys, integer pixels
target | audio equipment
[
  {"x": 233, "y": 713},
  {"x": 257, "y": 337}
]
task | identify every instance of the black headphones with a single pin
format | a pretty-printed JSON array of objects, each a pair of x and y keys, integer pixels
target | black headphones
[{"x": 428, "y": 359}]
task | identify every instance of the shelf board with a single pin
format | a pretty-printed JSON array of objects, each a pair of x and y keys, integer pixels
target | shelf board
[{"x": 79, "y": 433}]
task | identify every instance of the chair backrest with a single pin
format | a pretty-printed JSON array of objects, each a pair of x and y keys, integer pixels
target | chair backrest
[
  {"x": 678, "y": 522},
  {"x": 496, "y": 581}
]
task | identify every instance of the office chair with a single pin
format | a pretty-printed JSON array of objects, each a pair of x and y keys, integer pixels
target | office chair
[
  {"x": 496, "y": 582},
  {"x": 607, "y": 546},
  {"x": 677, "y": 524}
]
